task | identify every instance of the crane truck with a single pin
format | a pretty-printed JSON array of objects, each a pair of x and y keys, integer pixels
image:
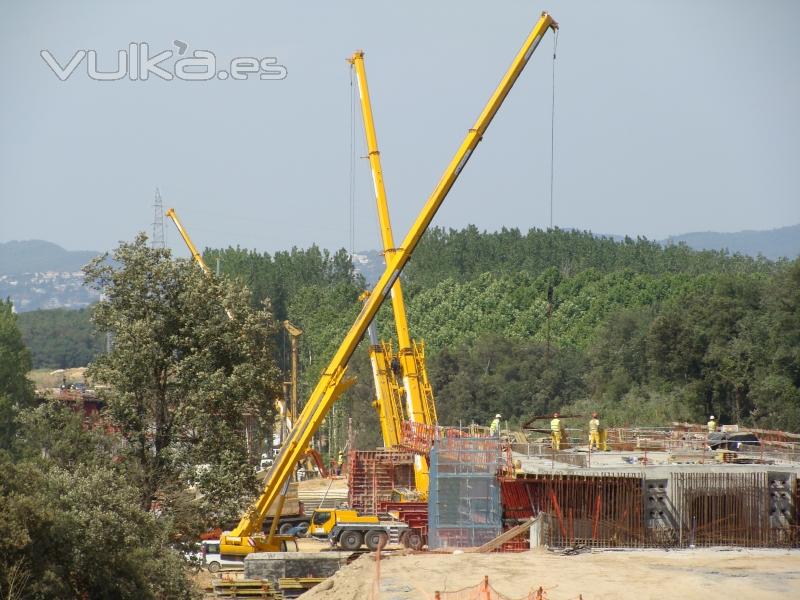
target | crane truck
[{"x": 247, "y": 537}]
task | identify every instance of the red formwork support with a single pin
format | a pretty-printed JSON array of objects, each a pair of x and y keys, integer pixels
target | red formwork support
[
  {"x": 375, "y": 475},
  {"x": 413, "y": 513}
]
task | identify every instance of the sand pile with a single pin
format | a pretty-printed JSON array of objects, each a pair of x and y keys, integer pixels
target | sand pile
[
  {"x": 353, "y": 581},
  {"x": 625, "y": 575}
]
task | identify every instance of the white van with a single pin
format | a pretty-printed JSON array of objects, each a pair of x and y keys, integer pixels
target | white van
[
  {"x": 214, "y": 562},
  {"x": 212, "y": 559}
]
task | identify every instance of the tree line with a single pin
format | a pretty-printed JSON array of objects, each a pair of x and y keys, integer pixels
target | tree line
[{"x": 568, "y": 319}]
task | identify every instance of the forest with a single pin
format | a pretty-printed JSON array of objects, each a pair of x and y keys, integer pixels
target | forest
[{"x": 527, "y": 323}]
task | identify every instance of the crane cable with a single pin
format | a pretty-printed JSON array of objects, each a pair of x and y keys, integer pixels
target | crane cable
[{"x": 552, "y": 127}]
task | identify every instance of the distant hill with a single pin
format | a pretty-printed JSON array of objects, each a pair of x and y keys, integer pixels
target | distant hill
[
  {"x": 36, "y": 274},
  {"x": 773, "y": 244},
  {"x": 38, "y": 256}
]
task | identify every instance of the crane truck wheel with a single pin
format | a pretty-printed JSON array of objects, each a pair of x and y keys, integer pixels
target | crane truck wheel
[
  {"x": 285, "y": 528},
  {"x": 213, "y": 567},
  {"x": 413, "y": 540},
  {"x": 375, "y": 539},
  {"x": 351, "y": 540}
]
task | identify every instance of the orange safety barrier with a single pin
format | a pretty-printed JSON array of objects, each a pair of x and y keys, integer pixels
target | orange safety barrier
[
  {"x": 481, "y": 591},
  {"x": 484, "y": 591}
]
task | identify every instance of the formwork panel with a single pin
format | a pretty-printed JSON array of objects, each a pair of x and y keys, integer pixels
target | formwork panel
[
  {"x": 598, "y": 511},
  {"x": 376, "y": 476},
  {"x": 660, "y": 515},
  {"x": 782, "y": 509}
]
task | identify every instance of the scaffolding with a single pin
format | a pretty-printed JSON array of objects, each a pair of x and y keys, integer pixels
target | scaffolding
[{"x": 464, "y": 499}]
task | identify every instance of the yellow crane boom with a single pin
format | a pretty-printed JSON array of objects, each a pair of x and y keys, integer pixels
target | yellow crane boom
[
  {"x": 294, "y": 332},
  {"x": 419, "y": 403},
  {"x": 241, "y": 541},
  {"x": 388, "y": 401},
  {"x": 188, "y": 241}
]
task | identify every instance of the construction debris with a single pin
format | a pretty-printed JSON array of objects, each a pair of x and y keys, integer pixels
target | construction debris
[{"x": 506, "y": 536}]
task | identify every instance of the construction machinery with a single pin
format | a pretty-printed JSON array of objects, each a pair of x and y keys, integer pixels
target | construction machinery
[
  {"x": 410, "y": 359},
  {"x": 348, "y": 530},
  {"x": 247, "y": 537},
  {"x": 294, "y": 333},
  {"x": 287, "y": 413},
  {"x": 287, "y": 407},
  {"x": 188, "y": 241}
]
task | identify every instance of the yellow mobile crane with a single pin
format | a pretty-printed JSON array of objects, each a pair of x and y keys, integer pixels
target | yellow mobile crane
[
  {"x": 288, "y": 414},
  {"x": 419, "y": 402},
  {"x": 247, "y": 537}
]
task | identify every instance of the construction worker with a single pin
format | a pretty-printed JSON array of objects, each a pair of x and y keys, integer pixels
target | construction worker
[
  {"x": 555, "y": 431},
  {"x": 339, "y": 463},
  {"x": 494, "y": 427},
  {"x": 594, "y": 432},
  {"x": 712, "y": 424}
]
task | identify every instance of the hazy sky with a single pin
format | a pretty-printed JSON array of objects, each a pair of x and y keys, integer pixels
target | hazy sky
[{"x": 670, "y": 117}]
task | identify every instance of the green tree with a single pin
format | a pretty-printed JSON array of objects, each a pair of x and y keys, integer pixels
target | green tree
[
  {"x": 80, "y": 533},
  {"x": 16, "y": 391},
  {"x": 60, "y": 338},
  {"x": 494, "y": 374},
  {"x": 185, "y": 380}
]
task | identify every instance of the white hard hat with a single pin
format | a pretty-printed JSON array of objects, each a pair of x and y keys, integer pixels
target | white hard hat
[
  {"x": 497, "y": 416},
  {"x": 711, "y": 417}
]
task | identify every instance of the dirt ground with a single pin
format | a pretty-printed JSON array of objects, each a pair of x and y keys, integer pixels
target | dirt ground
[
  {"x": 602, "y": 575},
  {"x": 52, "y": 378}
]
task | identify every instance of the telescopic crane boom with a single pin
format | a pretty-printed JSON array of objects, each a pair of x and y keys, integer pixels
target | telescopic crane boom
[
  {"x": 288, "y": 416},
  {"x": 195, "y": 254},
  {"x": 419, "y": 403},
  {"x": 294, "y": 333},
  {"x": 240, "y": 541},
  {"x": 188, "y": 241}
]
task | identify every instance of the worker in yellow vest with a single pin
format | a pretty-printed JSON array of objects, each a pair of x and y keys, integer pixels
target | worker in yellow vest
[
  {"x": 494, "y": 426},
  {"x": 555, "y": 431},
  {"x": 712, "y": 424},
  {"x": 594, "y": 432}
]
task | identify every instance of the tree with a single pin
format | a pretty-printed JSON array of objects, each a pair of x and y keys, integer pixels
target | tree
[
  {"x": 187, "y": 384},
  {"x": 79, "y": 533},
  {"x": 494, "y": 374},
  {"x": 60, "y": 338},
  {"x": 16, "y": 391}
]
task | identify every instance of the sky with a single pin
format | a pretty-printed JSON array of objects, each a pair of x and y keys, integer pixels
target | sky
[{"x": 670, "y": 117}]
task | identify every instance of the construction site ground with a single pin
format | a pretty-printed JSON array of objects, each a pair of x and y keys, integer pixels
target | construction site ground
[{"x": 700, "y": 574}]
